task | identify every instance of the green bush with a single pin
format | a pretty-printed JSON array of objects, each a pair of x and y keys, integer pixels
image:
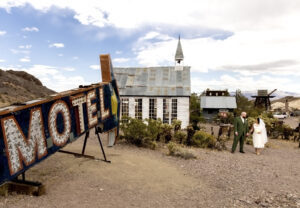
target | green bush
[
  {"x": 190, "y": 133},
  {"x": 137, "y": 132},
  {"x": 176, "y": 125},
  {"x": 203, "y": 140},
  {"x": 154, "y": 128},
  {"x": 175, "y": 150},
  {"x": 195, "y": 110},
  {"x": 180, "y": 137},
  {"x": 166, "y": 130},
  {"x": 148, "y": 142}
]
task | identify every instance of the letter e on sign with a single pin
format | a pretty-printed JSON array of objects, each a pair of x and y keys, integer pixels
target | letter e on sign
[{"x": 91, "y": 108}]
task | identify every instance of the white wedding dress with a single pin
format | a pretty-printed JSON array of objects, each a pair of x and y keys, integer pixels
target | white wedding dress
[{"x": 259, "y": 135}]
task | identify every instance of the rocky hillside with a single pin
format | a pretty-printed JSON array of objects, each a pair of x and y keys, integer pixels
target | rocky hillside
[
  {"x": 19, "y": 86},
  {"x": 294, "y": 103}
]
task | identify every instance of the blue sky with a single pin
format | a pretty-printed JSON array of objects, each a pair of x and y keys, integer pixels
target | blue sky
[{"x": 234, "y": 45}]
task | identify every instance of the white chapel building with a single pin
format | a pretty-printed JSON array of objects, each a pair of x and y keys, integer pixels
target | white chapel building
[{"x": 156, "y": 92}]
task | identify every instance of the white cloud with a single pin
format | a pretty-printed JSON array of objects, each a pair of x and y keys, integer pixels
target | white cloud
[
  {"x": 230, "y": 14},
  {"x": 75, "y": 57},
  {"x": 2, "y": 32},
  {"x": 60, "y": 54},
  {"x": 259, "y": 35},
  {"x": 25, "y": 46},
  {"x": 15, "y": 51},
  {"x": 248, "y": 83},
  {"x": 30, "y": 29},
  {"x": 2, "y": 60},
  {"x": 95, "y": 67},
  {"x": 155, "y": 35},
  {"x": 56, "y": 45},
  {"x": 68, "y": 68},
  {"x": 120, "y": 60},
  {"x": 264, "y": 34},
  {"x": 244, "y": 52},
  {"x": 118, "y": 52},
  {"x": 25, "y": 59}
]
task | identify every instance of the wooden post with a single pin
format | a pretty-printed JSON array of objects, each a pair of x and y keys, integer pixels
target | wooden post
[{"x": 105, "y": 68}]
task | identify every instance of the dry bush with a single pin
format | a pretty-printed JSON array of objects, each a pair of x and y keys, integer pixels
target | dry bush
[
  {"x": 136, "y": 131},
  {"x": 203, "y": 140},
  {"x": 177, "y": 151},
  {"x": 180, "y": 137}
]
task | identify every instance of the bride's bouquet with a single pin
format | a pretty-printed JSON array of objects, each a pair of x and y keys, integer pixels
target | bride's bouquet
[{"x": 258, "y": 131}]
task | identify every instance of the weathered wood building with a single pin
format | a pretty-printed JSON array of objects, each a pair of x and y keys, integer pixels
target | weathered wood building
[
  {"x": 212, "y": 102},
  {"x": 156, "y": 92}
]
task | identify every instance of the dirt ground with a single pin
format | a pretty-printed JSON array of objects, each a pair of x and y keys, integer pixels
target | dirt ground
[{"x": 140, "y": 177}]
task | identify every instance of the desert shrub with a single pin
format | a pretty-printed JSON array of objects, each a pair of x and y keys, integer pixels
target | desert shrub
[
  {"x": 173, "y": 148},
  {"x": 148, "y": 142},
  {"x": 224, "y": 120},
  {"x": 249, "y": 141},
  {"x": 135, "y": 131},
  {"x": 190, "y": 133},
  {"x": 166, "y": 132},
  {"x": 177, "y": 151},
  {"x": 221, "y": 142},
  {"x": 180, "y": 136},
  {"x": 154, "y": 128},
  {"x": 185, "y": 154},
  {"x": 203, "y": 140},
  {"x": 176, "y": 125},
  {"x": 195, "y": 111}
]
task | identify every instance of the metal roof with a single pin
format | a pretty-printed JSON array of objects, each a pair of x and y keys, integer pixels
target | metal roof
[
  {"x": 153, "y": 81},
  {"x": 226, "y": 102},
  {"x": 179, "y": 53}
]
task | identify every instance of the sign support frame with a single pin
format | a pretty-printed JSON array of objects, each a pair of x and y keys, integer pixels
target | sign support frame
[{"x": 97, "y": 132}]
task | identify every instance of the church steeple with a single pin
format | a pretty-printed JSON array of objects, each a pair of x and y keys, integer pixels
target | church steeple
[{"x": 179, "y": 54}]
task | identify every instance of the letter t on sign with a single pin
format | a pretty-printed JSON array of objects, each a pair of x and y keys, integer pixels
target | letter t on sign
[{"x": 77, "y": 101}]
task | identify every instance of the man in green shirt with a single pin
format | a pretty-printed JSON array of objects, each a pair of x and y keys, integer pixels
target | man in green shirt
[{"x": 241, "y": 130}]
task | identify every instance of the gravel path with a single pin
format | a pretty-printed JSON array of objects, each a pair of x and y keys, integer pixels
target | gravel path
[{"x": 145, "y": 178}]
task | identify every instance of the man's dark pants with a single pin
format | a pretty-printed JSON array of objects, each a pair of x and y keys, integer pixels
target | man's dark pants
[{"x": 238, "y": 138}]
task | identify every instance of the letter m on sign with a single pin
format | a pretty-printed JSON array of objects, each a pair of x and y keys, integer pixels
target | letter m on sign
[{"x": 20, "y": 149}]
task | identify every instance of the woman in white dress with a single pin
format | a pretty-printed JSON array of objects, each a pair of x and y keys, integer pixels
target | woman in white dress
[{"x": 259, "y": 135}]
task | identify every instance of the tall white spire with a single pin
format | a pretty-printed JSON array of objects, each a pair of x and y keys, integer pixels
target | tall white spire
[{"x": 179, "y": 54}]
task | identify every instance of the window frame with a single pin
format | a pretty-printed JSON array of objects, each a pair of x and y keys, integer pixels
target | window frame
[
  {"x": 153, "y": 108},
  {"x": 138, "y": 108}
]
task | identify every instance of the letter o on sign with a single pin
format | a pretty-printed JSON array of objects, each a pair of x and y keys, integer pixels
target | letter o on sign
[{"x": 59, "y": 107}]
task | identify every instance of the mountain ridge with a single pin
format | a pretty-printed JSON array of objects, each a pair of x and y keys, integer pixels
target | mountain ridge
[{"x": 19, "y": 86}]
